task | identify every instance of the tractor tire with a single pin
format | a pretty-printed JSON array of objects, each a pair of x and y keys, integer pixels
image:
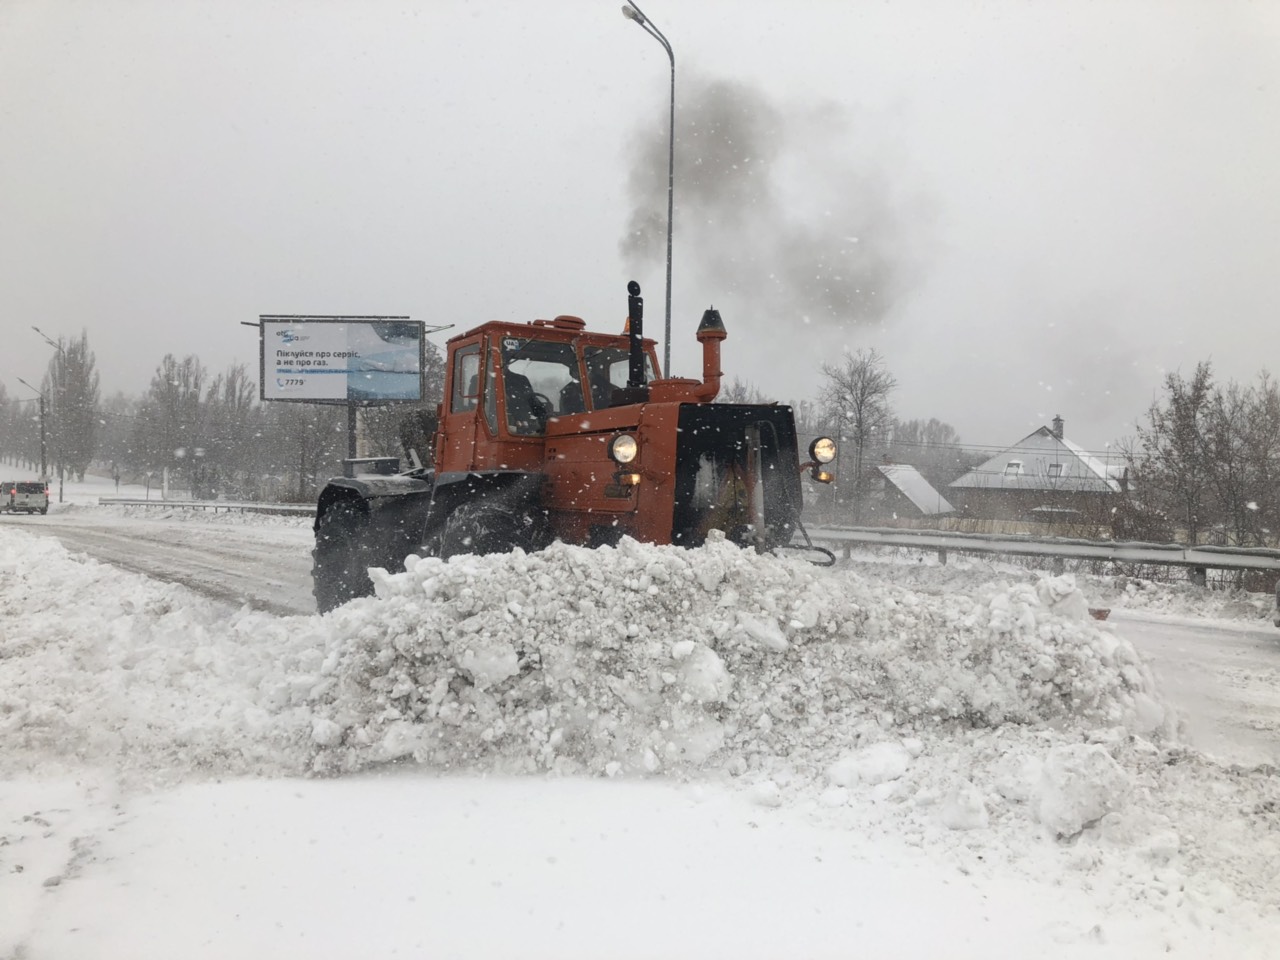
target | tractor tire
[
  {"x": 340, "y": 559},
  {"x": 482, "y": 527}
]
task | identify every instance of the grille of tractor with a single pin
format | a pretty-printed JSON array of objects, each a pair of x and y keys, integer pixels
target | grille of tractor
[{"x": 736, "y": 471}]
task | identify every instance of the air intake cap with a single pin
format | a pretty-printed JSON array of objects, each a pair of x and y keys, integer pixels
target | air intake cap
[{"x": 711, "y": 322}]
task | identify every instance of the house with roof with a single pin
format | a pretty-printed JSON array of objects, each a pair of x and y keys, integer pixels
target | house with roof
[
  {"x": 1043, "y": 477},
  {"x": 898, "y": 491}
]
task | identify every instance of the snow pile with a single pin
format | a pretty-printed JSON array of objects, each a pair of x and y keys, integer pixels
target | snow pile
[
  {"x": 102, "y": 665},
  {"x": 922, "y": 572},
  {"x": 639, "y": 659},
  {"x": 642, "y": 658},
  {"x": 1080, "y": 785},
  {"x": 1183, "y": 598}
]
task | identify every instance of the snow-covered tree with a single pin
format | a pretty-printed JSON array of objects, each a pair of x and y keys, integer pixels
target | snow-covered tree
[{"x": 70, "y": 387}]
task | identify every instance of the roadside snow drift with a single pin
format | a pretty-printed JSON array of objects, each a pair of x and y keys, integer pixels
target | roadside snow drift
[
  {"x": 972, "y": 717},
  {"x": 630, "y": 660},
  {"x": 637, "y": 660},
  {"x": 641, "y": 658}
]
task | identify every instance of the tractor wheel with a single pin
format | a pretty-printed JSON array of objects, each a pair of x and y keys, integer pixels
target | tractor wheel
[
  {"x": 481, "y": 528},
  {"x": 340, "y": 568}
]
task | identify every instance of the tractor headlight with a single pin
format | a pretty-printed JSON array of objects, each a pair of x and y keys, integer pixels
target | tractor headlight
[
  {"x": 623, "y": 448},
  {"x": 823, "y": 450}
]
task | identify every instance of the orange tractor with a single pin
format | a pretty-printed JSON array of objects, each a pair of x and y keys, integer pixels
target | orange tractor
[{"x": 550, "y": 432}]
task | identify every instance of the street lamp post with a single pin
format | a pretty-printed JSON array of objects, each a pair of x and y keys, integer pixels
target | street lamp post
[
  {"x": 60, "y": 386},
  {"x": 633, "y": 12},
  {"x": 44, "y": 444}
]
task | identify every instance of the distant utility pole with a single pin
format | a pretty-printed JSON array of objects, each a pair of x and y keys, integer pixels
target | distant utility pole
[{"x": 44, "y": 443}]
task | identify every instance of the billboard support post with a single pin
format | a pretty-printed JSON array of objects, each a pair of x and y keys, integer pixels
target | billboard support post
[{"x": 351, "y": 430}]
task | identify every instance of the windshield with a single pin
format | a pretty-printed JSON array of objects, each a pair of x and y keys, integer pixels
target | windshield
[{"x": 541, "y": 381}]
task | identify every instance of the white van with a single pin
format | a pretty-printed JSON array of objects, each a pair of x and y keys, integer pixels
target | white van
[{"x": 29, "y": 496}]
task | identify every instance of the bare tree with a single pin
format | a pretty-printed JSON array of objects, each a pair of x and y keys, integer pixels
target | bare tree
[
  {"x": 19, "y": 434},
  {"x": 855, "y": 401},
  {"x": 1262, "y": 448},
  {"x": 309, "y": 439},
  {"x": 117, "y": 434},
  {"x": 1207, "y": 458},
  {"x": 1229, "y": 468},
  {"x": 931, "y": 446},
  {"x": 1172, "y": 471},
  {"x": 231, "y": 421},
  {"x": 810, "y": 422},
  {"x": 740, "y": 391}
]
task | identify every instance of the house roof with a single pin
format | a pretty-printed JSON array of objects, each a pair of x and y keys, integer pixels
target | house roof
[
  {"x": 915, "y": 488},
  {"x": 1042, "y": 461}
]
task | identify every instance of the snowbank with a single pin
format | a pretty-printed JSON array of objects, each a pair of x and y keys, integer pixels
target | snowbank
[
  {"x": 105, "y": 666},
  {"x": 1000, "y": 710},
  {"x": 637, "y": 660},
  {"x": 641, "y": 658},
  {"x": 1186, "y": 598},
  {"x": 922, "y": 572}
]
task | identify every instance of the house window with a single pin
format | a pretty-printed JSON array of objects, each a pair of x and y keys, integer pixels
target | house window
[
  {"x": 1013, "y": 468},
  {"x": 1055, "y": 469}
]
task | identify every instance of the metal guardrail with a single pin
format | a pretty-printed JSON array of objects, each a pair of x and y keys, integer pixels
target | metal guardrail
[
  {"x": 230, "y": 506},
  {"x": 1200, "y": 557}
]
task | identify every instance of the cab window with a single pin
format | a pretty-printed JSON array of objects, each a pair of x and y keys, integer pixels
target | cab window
[
  {"x": 608, "y": 369},
  {"x": 466, "y": 379}
]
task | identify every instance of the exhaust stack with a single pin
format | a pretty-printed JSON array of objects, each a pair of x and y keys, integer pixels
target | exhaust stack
[
  {"x": 710, "y": 332},
  {"x": 635, "y": 327}
]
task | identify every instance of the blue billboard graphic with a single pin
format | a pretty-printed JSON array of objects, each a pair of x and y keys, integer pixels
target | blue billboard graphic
[{"x": 341, "y": 359}]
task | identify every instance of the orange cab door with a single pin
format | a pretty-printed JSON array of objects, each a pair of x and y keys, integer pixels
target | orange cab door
[{"x": 461, "y": 410}]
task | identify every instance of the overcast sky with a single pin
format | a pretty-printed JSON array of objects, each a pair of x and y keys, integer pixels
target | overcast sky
[{"x": 1029, "y": 208}]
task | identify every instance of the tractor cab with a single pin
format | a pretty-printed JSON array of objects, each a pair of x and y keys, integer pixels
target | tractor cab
[{"x": 507, "y": 383}]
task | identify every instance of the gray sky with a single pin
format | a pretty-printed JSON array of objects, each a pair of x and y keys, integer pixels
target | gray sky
[{"x": 1029, "y": 208}]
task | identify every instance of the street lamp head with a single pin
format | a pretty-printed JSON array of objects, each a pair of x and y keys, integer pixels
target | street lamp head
[
  {"x": 47, "y": 339},
  {"x": 631, "y": 13}
]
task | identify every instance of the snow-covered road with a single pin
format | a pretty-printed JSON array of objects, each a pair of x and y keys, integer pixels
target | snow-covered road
[
  {"x": 267, "y": 566},
  {"x": 1223, "y": 676}
]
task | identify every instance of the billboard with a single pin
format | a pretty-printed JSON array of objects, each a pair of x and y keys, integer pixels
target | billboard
[{"x": 366, "y": 360}]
